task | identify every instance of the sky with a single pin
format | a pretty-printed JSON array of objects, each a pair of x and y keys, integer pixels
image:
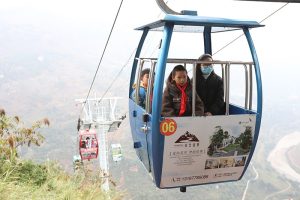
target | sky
[
  {"x": 92, "y": 15},
  {"x": 74, "y": 22}
]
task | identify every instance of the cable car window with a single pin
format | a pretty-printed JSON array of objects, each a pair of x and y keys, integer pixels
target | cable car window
[
  {"x": 141, "y": 84},
  {"x": 151, "y": 45},
  {"x": 240, "y": 84},
  {"x": 150, "y": 88},
  {"x": 150, "y": 48},
  {"x": 240, "y": 81},
  {"x": 230, "y": 51},
  {"x": 238, "y": 78},
  {"x": 191, "y": 48}
]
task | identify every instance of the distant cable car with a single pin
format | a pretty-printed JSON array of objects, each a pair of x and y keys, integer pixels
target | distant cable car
[
  {"x": 186, "y": 151},
  {"x": 116, "y": 152},
  {"x": 88, "y": 144},
  {"x": 77, "y": 162}
]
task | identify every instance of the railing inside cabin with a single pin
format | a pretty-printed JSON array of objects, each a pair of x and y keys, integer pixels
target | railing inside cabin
[{"x": 225, "y": 67}]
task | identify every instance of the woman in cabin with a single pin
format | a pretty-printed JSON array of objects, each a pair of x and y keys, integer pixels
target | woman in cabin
[{"x": 209, "y": 87}]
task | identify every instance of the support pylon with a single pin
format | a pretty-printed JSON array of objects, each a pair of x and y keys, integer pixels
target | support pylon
[{"x": 102, "y": 115}]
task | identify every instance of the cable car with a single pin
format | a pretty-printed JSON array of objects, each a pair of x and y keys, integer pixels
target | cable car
[
  {"x": 77, "y": 162},
  {"x": 116, "y": 152},
  {"x": 88, "y": 144},
  {"x": 194, "y": 150}
]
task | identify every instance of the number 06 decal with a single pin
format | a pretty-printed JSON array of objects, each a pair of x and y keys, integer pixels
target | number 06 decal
[{"x": 168, "y": 127}]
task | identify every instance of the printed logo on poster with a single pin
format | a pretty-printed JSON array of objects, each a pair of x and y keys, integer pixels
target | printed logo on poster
[
  {"x": 188, "y": 140},
  {"x": 187, "y": 137},
  {"x": 168, "y": 127}
]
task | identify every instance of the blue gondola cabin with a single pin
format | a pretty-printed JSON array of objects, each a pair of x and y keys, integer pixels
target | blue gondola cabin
[{"x": 194, "y": 150}]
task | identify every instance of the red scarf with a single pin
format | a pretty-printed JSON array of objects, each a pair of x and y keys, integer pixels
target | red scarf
[{"x": 183, "y": 98}]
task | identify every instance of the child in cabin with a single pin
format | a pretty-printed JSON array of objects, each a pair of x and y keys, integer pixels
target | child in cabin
[
  {"x": 143, "y": 88},
  {"x": 177, "y": 97}
]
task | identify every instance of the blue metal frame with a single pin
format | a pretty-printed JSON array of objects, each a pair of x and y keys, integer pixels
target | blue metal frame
[
  {"x": 207, "y": 40},
  {"x": 157, "y": 138},
  {"x": 135, "y": 112},
  {"x": 259, "y": 95},
  {"x": 187, "y": 20}
]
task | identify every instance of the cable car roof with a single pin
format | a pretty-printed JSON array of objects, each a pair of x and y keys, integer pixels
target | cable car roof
[
  {"x": 87, "y": 132},
  {"x": 189, "y": 23}
]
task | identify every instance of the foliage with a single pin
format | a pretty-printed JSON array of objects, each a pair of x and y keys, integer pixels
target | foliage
[
  {"x": 26, "y": 180},
  {"x": 216, "y": 139},
  {"x": 232, "y": 147},
  {"x": 245, "y": 139},
  {"x": 242, "y": 143},
  {"x": 13, "y": 134},
  {"x": 24, "y": 172}
]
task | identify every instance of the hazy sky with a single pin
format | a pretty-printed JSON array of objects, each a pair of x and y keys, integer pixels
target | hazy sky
[
  {"x": 276, "y": 43},
  {"x": 92, "y": 13}
]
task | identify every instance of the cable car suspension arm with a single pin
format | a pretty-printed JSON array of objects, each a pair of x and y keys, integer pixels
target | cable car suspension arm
[{"x": 166, "y": 9}]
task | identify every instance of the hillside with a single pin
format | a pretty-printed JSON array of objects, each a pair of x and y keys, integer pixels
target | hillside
[{"x": 27, "y": 180}]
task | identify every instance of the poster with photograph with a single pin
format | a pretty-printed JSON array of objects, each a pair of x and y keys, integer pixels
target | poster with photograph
[{"x": 205, "y": 149}]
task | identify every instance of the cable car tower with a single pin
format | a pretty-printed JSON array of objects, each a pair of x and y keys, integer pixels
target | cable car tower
[{"x": 103, "y": 116}]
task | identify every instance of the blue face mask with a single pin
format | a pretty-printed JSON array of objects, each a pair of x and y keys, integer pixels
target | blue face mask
[{"x": 206, "y": 70}]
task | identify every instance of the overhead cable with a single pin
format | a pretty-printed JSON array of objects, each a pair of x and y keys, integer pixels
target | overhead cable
[
  {"x": 95, "y": 75},
  {"x": 119, "y": 73},
  {"x": 116, "y": 77},
  {"x": 274, "y": 12}
]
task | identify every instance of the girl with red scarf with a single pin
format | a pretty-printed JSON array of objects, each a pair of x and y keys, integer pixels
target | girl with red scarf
[{"x": 177, "y": 97}]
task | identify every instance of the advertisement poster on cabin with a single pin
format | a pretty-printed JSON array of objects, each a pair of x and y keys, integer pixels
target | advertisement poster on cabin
[{"x": 206, "y": 149}]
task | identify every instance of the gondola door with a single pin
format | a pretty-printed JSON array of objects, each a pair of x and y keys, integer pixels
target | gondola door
[{"x": 139, "y": 119}]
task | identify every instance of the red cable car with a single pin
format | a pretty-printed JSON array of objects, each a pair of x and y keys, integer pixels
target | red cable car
[{"x": 88, "y": 144}]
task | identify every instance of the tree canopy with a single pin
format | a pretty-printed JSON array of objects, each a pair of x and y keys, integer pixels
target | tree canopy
[{"x": 13, "y": 134}]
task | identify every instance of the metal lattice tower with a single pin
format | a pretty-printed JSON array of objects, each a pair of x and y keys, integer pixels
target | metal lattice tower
[{"x": 104, "y": 116}]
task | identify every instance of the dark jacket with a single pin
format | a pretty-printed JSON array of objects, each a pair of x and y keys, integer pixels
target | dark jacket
[
  {"x": 211, "y": 92},
  {"x": 172, "y": 100}
]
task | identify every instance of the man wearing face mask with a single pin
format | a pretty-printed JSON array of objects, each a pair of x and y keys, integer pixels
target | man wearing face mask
[{"x": 209, "y": 87}]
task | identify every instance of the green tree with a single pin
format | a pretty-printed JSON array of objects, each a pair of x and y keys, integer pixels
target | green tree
[
  {"x": 13, "y": 134},
  {"x": 245, "y": 139},
  {"x": 216, "y": 139}
]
